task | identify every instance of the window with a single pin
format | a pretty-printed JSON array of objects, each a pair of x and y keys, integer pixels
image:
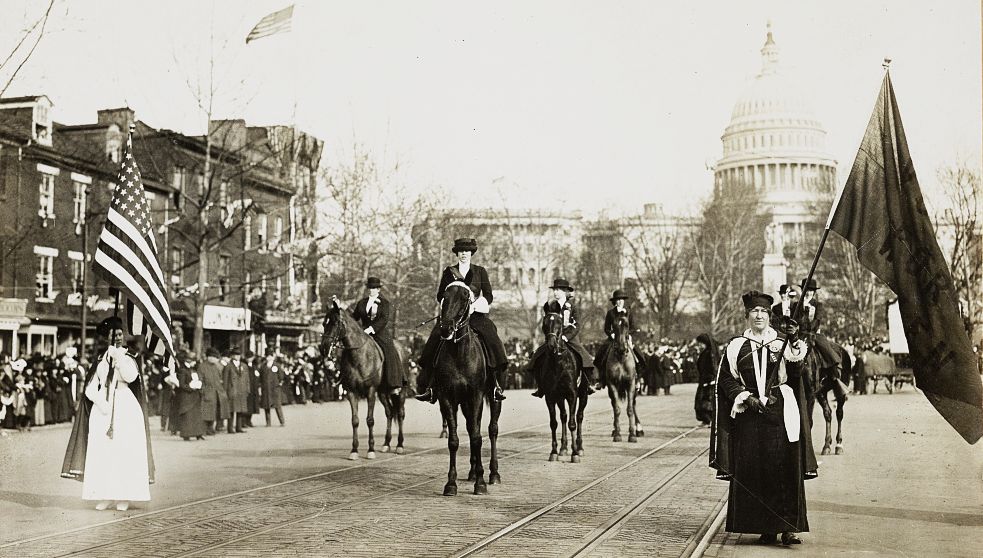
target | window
[
  {"x": 278, "y": 294},
  {"x": 45, "y": 277},
  {"x": 277, "y": 232},
  {"x": 531, "y": 276},
  {"x": 247, "y": 232},
  {"x": 47, "y": 196},
  {"x": 177, "y": 266},
  {"x": 261, "y": 232},
  {"x": 507, "y": 275},
  {"x": 223, "y": 199},
  {"x": 200, "y": 181},
  {"x": 223, "y": 279},
  {"x": 249, "y": 280},
  {"x": 78, "y": 214},
  {"x": 78, "y": 275},
  {"x": 179, "y": 180}
]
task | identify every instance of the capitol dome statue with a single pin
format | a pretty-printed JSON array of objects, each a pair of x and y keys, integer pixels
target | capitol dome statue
[{"x": 775, "y": 142}]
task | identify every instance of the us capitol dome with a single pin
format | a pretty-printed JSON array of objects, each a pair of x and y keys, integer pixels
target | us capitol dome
[{"x": 775, "y": 142}]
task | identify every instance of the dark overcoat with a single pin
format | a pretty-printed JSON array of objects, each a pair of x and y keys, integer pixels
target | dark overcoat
[
  {"x": 214, "y": 399},
  {"x": 236, "y": 381},
  {"x": 271, "y": 382}
]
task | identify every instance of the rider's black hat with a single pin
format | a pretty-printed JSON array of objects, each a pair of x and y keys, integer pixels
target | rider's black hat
[
  {"x": 809, "y": 285},
  {"x": 619, "y": 294},
  {"x": 373, "y": 283},
  {"x": 465, "y": 245},
  {"x": 559, "y": 283}
]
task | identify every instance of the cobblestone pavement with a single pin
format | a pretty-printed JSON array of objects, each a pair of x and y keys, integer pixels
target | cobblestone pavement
[{"x": 653, "y": 497}]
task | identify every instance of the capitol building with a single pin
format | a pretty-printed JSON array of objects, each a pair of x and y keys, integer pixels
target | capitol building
[{"x": 775, "y": 143}]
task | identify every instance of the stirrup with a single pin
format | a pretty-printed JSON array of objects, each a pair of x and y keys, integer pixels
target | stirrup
[
  {"x": 537, "y": 393},
  {"x": 427, "y": 396},
  {"x": 498, "y": 394}
]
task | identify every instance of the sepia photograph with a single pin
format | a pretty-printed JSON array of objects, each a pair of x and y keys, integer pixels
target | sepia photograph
[{"x": 552, "y": 278}]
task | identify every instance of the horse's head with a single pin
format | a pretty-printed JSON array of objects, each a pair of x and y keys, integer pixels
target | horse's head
[
  {"x": 454, "y": 309},
  {"x": 334, "y": 329},
  {"x": 622, "y": 329},
  {"x": 553, "y": 328}
]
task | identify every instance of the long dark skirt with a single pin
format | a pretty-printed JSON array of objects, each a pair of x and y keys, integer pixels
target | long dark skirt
[
  {"x": 767, "y": 491},
  {"x": 393, "y": 372},
  {"x": 190, "y": 422},
  {"x": 703, "y": 403},
  {"x": 487, "y": 332}
]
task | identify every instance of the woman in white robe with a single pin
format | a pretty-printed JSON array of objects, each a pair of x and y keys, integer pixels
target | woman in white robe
[{"x": 116, "y": 463}]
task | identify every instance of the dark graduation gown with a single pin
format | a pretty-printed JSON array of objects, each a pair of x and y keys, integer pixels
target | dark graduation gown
[
  {"x": 393, "y": 371},
  {"x": 752, "y": 451},
  {"x": 73, "y": 466}
]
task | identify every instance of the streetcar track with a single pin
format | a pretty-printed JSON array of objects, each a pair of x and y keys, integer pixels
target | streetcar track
[
  {"x": 515, "y": 526},
  {"x": 367, "y": 464}
]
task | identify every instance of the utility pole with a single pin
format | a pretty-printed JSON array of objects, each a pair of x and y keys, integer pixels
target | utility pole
[{"x": 85, "y": 271}]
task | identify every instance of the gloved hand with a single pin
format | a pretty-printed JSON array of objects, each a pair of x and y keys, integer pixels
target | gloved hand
[
  {"x": 564, "y": 337},
  {"x": 772, "y": 400},
  {"x": 753, "y": 403},
  {"x": 790, "y": 328}
]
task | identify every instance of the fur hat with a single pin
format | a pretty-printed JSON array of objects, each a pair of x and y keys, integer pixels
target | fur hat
[
  {"x": 753, "y": 299},
  {"x": 465, "y": 245}
]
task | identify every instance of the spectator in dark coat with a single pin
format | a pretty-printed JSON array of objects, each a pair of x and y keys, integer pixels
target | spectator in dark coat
[
  {"x": 190, "y": 423},
  {"x": 270, "y": 381},
  {"x": 214, "y": 400},
  {"x": 236, "y": 380}
]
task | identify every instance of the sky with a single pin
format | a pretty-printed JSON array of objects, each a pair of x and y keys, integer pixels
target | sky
[{"x": 560, "y": 105}]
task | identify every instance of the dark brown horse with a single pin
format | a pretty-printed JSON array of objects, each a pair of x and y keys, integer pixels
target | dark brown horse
[
  {"x": 621, "y": 379},
  {"x": 822, "y": 381},
  {"x": 558, "y": 382},
  {"x": 461, "y": 380},
  {"x": 361, "y": 374}
]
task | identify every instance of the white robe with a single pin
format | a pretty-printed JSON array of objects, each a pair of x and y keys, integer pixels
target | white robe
[{"x": 116, "y": 468}]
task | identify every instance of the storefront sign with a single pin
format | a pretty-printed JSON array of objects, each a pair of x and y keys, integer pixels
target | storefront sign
[{"x": 225, "y": 318}]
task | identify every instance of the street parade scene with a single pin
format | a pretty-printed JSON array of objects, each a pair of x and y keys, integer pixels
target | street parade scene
[{"x": 672, "y": 279}]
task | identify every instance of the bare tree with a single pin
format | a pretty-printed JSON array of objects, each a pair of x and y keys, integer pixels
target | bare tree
[
  {"x": 659, "y": 253},
  {"x": 960, "y": 224},
  {"x": 18, "y": 56},
  {"x": 728, "y": 249}
]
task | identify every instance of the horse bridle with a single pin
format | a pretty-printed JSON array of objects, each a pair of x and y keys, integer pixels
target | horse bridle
[
  {"x": 459, "y": 322},
  {"x": 334, "y": 340},
  {"x": 557, "y": 336}
]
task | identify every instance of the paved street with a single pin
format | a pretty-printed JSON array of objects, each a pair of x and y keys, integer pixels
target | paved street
[{"x": 906, "y": 486}]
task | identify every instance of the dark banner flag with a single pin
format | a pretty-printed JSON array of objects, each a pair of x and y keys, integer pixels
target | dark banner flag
[{"x": 881, "y": 212}]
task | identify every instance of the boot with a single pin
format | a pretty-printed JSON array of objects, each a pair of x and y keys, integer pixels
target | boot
[
  {"x": 592, "y": 384},
  {"x": 538, "y": 393},
  {"x": 427, "y": 396}
]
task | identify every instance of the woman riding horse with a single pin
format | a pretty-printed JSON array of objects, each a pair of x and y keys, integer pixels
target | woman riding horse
[
  {"x": 475, "y": 277},
  {"x": 562, "y": 304},
  {"x": 620, "y": 301},
  {"x": 372, "y": 313}
]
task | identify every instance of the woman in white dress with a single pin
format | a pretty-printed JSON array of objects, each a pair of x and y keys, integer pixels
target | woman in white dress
[{"x": 116, "y": 463}]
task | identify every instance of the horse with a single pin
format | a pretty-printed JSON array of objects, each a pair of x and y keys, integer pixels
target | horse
[
  {"x": 460, "y": 380},
  {"x": 621, "y": 379},
  {"x": 823, "y": 381},
  {"x": 361, "y": 374},
  {"x": 558, "y": 382}
]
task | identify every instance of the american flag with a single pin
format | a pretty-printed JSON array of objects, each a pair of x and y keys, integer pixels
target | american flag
[
  {"x": 277, "y": 22},
  {"x": 126, "y": 257}
]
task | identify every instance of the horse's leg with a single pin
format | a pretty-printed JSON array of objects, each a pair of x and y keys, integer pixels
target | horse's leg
[
  {"x": 474, "y": 433},
  {"x": 630, "y": 405},
  {"x": 370, "y": 422},
  {"x": 400, "y": 417},
  {"x": 387, "y": 408},
  {"x": 828, "y": 415},
  {"x": 561, "y": 403},
  {"x": 572, "y": 425},
  {"x": 841, "y": 398},
  {"x": 443, "y": 428},
  {"x": 638, "y": 422},
  {"x": 353, "y": 401},
  {"x": 581, "y": 406},
  {"x": 496, "y": 411},
  {"x": 616, "y": 409},
  {"x": 449, "y": 410},
  {"x": 551, "y": 405}
]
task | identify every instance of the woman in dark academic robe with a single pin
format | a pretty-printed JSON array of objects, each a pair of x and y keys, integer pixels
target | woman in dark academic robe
[
  {"x": 706, "y": 368},
  {"x": 758, "y": 441},
  {"x": 190, "y": 422}
]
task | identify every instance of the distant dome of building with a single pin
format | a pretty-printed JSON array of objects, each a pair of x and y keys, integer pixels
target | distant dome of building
[{"x": 775, "y": 142}]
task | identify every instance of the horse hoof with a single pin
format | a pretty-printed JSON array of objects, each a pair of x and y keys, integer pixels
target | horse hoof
[
  {"x": 580, "y": 452},
  {"x": 575, "y": 458},
  {"x": 400, "y": 450},
  {"x": 353, "y": 456},
  {"x": 370, "y": 455},
  {"x": 563, "y": 452},
  {"x": 480, "y": 489},
  {"x": 838, "y": 450},
  {"x": 826, "y": 451},
  {"x": 639, "y": 433},
  {"x": 632, "y": 440},
  {"x": 442, "y": 435},
  {"x": 494, "y": 478},
  {"x": 617, "y": 437},
  {"x": 552, "y": 457},
  {"x": 384, "y": 449},
  {"x": 450, "y": 490}
]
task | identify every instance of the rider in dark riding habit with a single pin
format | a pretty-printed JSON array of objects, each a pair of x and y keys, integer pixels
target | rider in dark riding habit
[
  {"x": 562, "y": 304},
  {"x": 620, "y": 301},
  {"x": 475, "y": 277},
  {"x": 372, "y": 313},
  {"x": 810, "y": 320}
]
